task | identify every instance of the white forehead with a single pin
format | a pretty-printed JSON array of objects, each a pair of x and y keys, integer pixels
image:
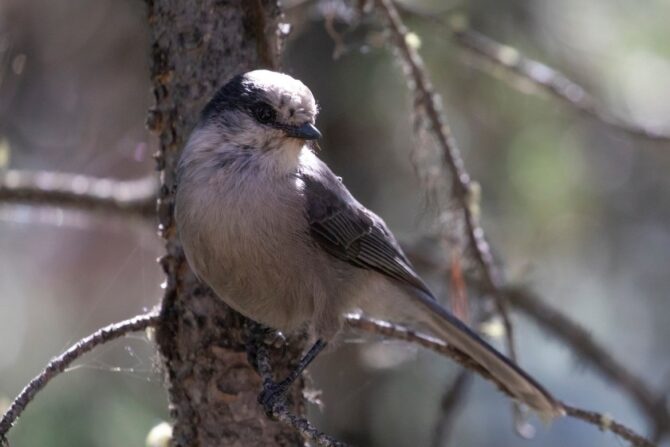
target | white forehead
[{"x": 282, "y": 90}]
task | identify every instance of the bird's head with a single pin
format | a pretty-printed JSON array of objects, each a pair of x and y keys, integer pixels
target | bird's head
[{"x": 263, "y": 110}]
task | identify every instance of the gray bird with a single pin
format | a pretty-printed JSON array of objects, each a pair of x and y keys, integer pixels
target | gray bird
[{"x": 269, "y": 227}]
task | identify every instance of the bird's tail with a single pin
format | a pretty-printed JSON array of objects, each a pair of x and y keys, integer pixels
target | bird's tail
[{"x": 520, "y": 384}]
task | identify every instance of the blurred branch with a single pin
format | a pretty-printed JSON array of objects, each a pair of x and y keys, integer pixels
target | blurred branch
[
  {"x": 549, "y": 80},
  {"x": 581, "y": 342},
  {"x": 125, "y": 197},
  {"x": 542, "y": 76},
  {"x": 281, "y": 412},
  {"x": 462, "y": 189},
  {"x": 449, "y": 404},
  {"x": 389, "y": 330},
  {"x": 58, "y": 364}
]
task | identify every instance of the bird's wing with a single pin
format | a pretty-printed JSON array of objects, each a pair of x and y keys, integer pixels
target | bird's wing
[{"x": 347, "y": 230}]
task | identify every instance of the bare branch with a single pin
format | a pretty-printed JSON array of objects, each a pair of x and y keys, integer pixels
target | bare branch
[
  {"x": 127, "y": 197},
  {"x": 583, "y": 344},
  {"x": 401, "y": 333},
  {"x": 462, "y": 185},
  {"x": 58, "y": 364},
  {"x": 429, "y": 100},
  {"x": 281, "y": 412}
]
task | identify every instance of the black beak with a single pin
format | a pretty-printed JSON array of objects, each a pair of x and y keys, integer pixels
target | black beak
[{"x": 305, "y": 131}]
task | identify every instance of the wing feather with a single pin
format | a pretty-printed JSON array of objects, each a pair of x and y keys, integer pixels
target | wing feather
[{"x": 347, "y": 230}]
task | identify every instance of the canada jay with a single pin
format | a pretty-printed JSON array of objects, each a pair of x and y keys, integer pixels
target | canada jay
[{"x": 269, "y": 227}]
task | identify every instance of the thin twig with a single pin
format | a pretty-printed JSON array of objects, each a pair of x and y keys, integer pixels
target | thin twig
[
  {"x": 451, "y": 400},
  {"x": 462, "y": 184},
  {"x": 401, "y": 333},
  {"x": 58, "y": 364},
  {"x": 126, "y": 197},
  {"x": 583, "y": 344},
  {"x": 462, "y": 187},
  {"x": 606, "y": 423},
  {"x": 281, "y": 412}
]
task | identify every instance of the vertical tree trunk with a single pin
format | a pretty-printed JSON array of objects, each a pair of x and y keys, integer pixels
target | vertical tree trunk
[{"x": 196, "y": 47}]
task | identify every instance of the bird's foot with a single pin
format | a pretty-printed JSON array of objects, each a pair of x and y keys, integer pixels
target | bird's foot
[
  {"x": 274, "y": 339},
  {"x": 272, "y": 394},
  {"x": 265, "y": 335},
  {"x": 262, "y": 336}
]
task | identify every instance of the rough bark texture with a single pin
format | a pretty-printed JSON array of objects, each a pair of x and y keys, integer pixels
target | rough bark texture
[{"x": 196, "y": 47}]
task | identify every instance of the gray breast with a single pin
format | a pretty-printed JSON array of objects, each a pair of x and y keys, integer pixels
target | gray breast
[{"x": 248, "y": 240}]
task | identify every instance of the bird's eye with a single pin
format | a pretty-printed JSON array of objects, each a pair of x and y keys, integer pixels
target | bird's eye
[{"x": 263, "y": 112}]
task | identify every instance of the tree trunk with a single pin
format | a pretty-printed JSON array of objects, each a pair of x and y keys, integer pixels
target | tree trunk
[{"x": 196, "y": 47}]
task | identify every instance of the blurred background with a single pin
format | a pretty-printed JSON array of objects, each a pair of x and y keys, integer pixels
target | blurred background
[{"x": 577, "y": 211}]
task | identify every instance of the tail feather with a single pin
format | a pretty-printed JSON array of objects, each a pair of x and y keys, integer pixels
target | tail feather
[{"x": 452, "y": 330}]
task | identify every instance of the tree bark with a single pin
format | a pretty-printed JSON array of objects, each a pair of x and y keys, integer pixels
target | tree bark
[{"x": 196, "y": 47}]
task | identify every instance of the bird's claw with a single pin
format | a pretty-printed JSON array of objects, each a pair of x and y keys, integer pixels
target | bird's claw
[
  {"x": 262, "y": 336},
  {"x": 274, "y": 339}
]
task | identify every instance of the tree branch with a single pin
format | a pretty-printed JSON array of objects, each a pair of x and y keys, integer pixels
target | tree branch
[
  {"x": 428, "y": 100},
  {"x": 542, "y": 76},
  {"x": 401, "y": 333},
  {"x": 581, "y": 342},
  {"x": 58, "y": 364},
  {"x": 549, "y": 80},
  {"x": 125, "y": 197},
  {"x": 462, "y": 186},
  {"x": 393, "y": 331}
]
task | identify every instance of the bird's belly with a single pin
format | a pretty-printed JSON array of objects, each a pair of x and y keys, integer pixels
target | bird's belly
[
  {"x": 264, "y": 287},
  {"x": 257, "y": 257}
]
